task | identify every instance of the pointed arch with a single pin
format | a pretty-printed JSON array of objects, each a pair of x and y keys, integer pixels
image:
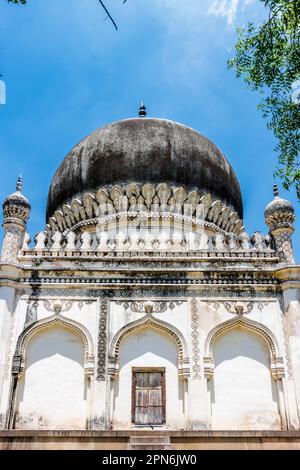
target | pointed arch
[
  {"x": 60, "y": 320},
  {"x": 276, "y": 361},
  {"x": 149, "y": 321}
]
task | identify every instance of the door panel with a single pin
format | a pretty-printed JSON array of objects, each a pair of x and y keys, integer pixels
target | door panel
[{"x": 148, "y": 398}]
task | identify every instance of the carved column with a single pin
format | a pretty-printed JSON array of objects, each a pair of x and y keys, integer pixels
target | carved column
[
  {"x": 100, "y": 418},
  {"x": 197, "y": 391}
]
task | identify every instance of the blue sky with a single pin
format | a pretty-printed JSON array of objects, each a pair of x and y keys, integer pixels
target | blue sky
[{"x": 68, "y": 72}]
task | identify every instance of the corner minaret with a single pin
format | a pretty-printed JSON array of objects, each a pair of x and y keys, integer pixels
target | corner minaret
[
  {"x": 279, "y": 215},
  {"x": 16, "y": 210}
]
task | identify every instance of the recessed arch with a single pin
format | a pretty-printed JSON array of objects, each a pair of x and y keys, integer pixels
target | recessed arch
[
  {"x": 244, "y": 388},
  {"x": 240, "y": 320},
  {"x": 45, "y": 323},
  {"x": 151, "y": 350},
  {"x": 152, "y": 322},
  {"x": 52, "y": 383},
  {"x": 276, "y": 361},
  {"x": 149, "y": 320}
]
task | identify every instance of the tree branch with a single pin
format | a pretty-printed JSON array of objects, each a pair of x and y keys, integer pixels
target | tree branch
[
  {"x": 23, "y": 2},
  {"x": 108, "y": 14}
]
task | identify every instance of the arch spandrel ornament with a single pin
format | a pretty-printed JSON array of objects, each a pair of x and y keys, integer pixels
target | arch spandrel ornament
[{"x": 276, "y": 360}]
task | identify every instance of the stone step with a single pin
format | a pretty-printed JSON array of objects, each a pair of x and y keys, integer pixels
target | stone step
[
  {"x": 149, "y": 443},
  {"x": 149, "y": 447},
  {"x": 154, "y": 439}
]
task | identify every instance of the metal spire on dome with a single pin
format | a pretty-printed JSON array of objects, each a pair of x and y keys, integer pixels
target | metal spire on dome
[
  {"x": 275, "y": 190},
  {"x": 19, "y": 184},
  {"x": 142, "y": 110}
]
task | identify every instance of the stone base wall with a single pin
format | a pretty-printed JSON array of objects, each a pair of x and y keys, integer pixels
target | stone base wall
[{"x": 119, "y": 440}]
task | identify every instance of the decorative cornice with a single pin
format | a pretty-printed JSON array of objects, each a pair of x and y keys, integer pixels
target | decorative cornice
[
  {"x": 135, "y": 199},
  {"x": 288, "y": 273},
  {"x": 238, "y": 256},
  {"x": 117, "y": 293},
  {"x": 173, "y": 278}
]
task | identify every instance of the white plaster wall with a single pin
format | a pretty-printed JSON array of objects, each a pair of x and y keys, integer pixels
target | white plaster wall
[
  {"x": 51, "y": 393},
  {"x": 293, "y": 332},
  {"x": 7, "y": 321},
  {"x": 148, "y": 347},
  {"x": 243, "y": 393}
]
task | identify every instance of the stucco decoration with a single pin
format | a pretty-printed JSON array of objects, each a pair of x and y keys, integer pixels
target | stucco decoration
[
  {"x": 284, "y": 246},
  {"x": 11, "y": 244},
  {"x": 31, "y": 313},
  {"x": 202, "y": 210},
  {"x": 158, "y": 306},
  {"x": 102, "y": 339},
  {"x": 195, "y": 339},
  {"x": 238, "y": 307}
]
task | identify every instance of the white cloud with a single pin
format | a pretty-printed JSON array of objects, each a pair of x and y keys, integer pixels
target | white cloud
[
  {"x": 227, "y": 9},
  {"x": 191, "y": 38}
]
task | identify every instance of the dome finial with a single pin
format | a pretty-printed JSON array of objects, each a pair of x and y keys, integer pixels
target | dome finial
[
  {"x": 275, "y": 190},
  {"x": 142, "y": 110},
  {"x": 19, "y": 184}
]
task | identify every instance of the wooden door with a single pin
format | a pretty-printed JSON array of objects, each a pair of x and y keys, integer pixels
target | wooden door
[{"x": 148, "y": 397}]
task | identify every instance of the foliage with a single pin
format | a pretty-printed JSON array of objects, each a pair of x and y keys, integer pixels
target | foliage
[{"x": 268, "y": 57}]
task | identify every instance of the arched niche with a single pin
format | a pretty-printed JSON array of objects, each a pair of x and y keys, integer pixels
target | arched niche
[
  {"x": 244, "y": 392},
  {"x": 151, "y": 322},
  {"x": 52, "y": 361},
  {"x": 147, "y": 348},
  {"x": 275, "y": 358}
]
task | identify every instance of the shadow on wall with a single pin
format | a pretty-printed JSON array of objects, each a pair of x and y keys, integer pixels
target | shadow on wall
[
  {"x": 55, "y": 341},
  {"x": 243, "y": 393},
  {"x": 52, "y": 391},
  {"x": 148, "y": 340}
]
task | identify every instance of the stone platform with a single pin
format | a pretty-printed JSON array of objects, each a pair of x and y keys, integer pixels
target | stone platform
[{"x": 179, "y": 440}]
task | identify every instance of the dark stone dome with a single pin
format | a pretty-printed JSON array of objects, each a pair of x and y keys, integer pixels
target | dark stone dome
[{"x": 145, "y": 150}]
